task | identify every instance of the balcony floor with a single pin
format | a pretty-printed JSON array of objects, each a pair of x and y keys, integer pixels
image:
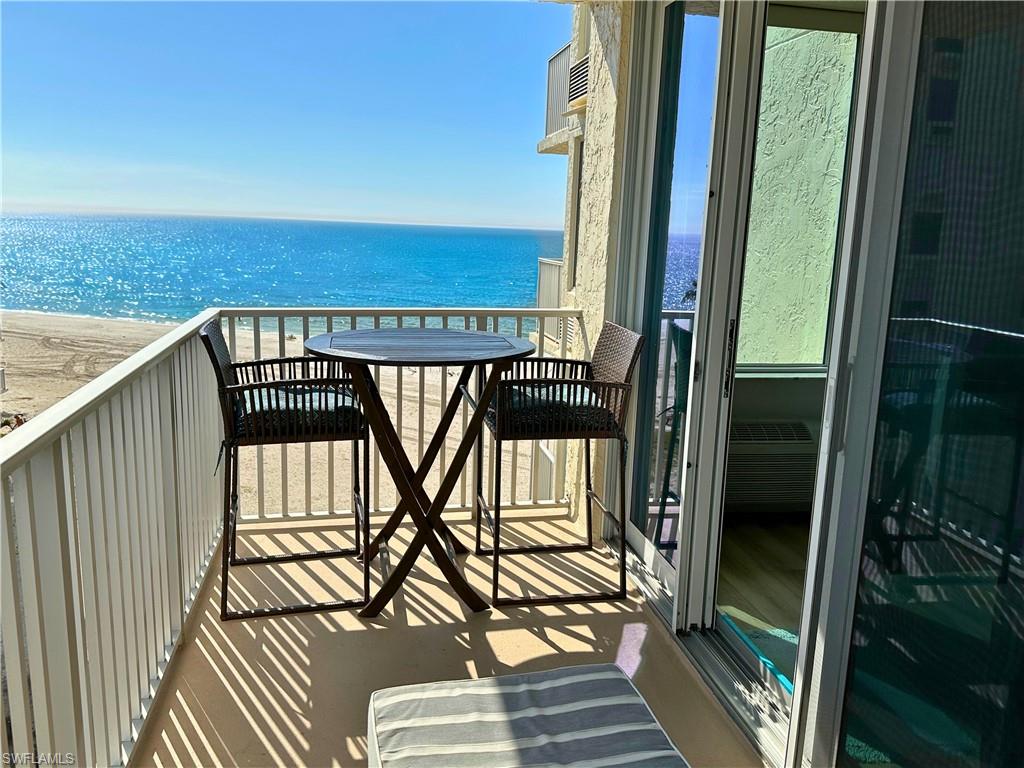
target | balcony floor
[{"x": 294, "y": 690}]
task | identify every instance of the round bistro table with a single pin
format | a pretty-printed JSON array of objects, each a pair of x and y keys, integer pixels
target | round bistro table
[{"x": 359, "y": 349}]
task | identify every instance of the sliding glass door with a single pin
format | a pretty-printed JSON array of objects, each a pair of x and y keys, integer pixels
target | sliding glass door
[
  {"x": 672, "y": 292},
  {"x": 936, "y": 664},
  {"x": 782, "y": 335},
  {"x": 749, "y": 181}
]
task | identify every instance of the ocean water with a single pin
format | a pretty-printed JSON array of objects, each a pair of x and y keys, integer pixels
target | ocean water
[
  {"x": 681, "y": 267},
  {"x": 169, "y": 268}
]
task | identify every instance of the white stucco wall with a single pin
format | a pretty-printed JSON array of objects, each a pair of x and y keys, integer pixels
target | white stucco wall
[
  {"x": 598, "y": 227},
  {"x": 794, "y": 210}
]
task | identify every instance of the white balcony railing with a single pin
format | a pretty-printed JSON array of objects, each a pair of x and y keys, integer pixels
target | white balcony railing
[
  {"x": 109, "y": 519},
  {"x": 558, "y": 92},
  {"x": 111, "y": 512},
  {"x": 549, "y": 282}
]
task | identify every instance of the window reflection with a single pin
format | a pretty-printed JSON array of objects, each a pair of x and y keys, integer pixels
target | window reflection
[{"x": 937, "y": 664}]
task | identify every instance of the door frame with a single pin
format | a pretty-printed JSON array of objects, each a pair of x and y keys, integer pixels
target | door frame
[
  {"x": 733, "y": 640},
  {"x": 732, "y": 166},
  {"x": 665, "y": 62},
  {"x": 741, "y": 26}
]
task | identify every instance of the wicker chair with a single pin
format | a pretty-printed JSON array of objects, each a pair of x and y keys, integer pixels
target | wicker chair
[
  {"x": 554, "y": 399},
  {"x": 286, "y": 400}
]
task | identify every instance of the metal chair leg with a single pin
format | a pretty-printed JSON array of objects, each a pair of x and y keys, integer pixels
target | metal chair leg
[
  {"x": 623, "y": 449},
  {"x": 586, "y": 597},
  {"x": 229, "y": 558},
  {"x": 479, "y": 469},
  {"x": 234, "y": 501},
  {"x": 356, "y": 497},
  {"x": 496, "y": 514},
  {"x": 227, "y": 533},
  {"x": 367, "y": 509},
  {"x": 590, "y": 493}
]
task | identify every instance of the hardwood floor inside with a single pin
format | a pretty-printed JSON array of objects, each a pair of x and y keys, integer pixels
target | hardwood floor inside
[{"x": 760, "y": 586}]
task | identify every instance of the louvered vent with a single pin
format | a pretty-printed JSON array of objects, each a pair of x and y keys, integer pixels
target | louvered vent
[
  {"x": 769, "y": 432},
  {"x": 567, "y": 328},
  {"x": 771, "y": 464},
  {"x": 578, "y": 79}
]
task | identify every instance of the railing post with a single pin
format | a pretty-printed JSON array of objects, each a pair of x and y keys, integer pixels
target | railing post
[
  {"x": 46, "y": 564},
  {"x": 17, "y": 703},
  {"x": 169, "y": 471}
]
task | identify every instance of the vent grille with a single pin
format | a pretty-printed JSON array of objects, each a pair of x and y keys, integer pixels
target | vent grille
[
  {"x": 771, "y": 464},
  {"x": 578, "y": 79},
  {"x": 769, "y": 432}
]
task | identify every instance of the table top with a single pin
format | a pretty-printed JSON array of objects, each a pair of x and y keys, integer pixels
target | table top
[{"x": 418, "y": 346}]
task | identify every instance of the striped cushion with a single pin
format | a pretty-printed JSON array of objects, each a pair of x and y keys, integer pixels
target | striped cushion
[{"x": 575, "y": 716}]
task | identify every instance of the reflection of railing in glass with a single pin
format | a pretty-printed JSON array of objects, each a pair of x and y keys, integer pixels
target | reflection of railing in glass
[
  {"x": 937, "y": 649},
  {"x": 665, "y": 489},
  {"x": 949, "y": 421}
]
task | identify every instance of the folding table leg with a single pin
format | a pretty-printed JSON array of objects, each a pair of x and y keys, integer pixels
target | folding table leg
[
  {"x": 414, "y": 497},
  {"x": 433, "y": 448}
]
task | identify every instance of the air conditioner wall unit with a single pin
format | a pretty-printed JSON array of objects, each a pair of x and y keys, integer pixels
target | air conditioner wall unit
[{"x": 771, "y": 465}]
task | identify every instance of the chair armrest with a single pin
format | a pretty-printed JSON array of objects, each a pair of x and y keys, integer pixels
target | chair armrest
[
  {"x": 282, "y": 368},
  {"x": 549, "y": 368}
]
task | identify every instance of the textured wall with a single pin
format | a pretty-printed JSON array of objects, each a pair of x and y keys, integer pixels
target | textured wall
[
  {"x": 603, "y": 140},
  {"x": 601, "y": 157},
  {"x": 801, "y": 145}
]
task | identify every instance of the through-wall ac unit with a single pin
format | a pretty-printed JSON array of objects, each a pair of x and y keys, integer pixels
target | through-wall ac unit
[{"x": 771, "y": 464}]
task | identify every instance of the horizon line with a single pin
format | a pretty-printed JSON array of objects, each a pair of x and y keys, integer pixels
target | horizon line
[{"x": 15, "y": 209}]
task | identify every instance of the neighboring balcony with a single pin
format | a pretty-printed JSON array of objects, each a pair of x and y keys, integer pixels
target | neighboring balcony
[
  {"x": 111, "y": 643},
  {"x": 567, "y": 95}
]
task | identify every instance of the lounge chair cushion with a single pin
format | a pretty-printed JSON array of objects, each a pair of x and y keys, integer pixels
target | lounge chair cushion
[
  {"x": 301, "y": 411},
  {"x": 574, "y": 716},
  {"x": 566, "y": 408}
]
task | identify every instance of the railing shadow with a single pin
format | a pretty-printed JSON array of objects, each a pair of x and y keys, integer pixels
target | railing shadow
[{"x": 294, "y": 690}]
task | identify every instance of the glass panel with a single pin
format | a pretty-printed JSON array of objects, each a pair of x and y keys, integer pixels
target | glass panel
[
  {"x": 806, "y": 91},
  {"x": 803, "y": 124},
  {"x": 937, "y": 661},
  {"x": 675, "y": 300}
]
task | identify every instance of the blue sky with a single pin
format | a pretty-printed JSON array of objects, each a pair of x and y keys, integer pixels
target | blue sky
[
  {"x": 417, "y": 112},
  {"x": 693, "y": 124}
]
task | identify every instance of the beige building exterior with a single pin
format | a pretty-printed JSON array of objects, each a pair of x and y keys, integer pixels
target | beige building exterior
[{"x": 593, "y": 143}]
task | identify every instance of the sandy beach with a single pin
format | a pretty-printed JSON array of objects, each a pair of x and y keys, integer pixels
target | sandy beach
[{"x": 49, "y": 356}]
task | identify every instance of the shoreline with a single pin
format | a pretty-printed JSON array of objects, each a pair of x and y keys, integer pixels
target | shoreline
[{"x": 4, "y": 313}]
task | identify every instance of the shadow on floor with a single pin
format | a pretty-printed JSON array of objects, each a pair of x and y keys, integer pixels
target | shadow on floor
[{"x": 294, "y": 690}]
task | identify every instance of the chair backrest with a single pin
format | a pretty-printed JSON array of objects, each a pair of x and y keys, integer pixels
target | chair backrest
[
  {"x": 217, "y": 349},
  {"x": 616, "y": 353}
]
